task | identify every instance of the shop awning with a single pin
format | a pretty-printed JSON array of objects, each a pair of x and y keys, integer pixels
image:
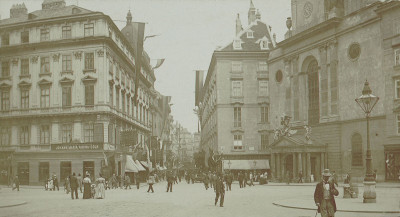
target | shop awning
[
  {"x": 246, "y": 164},
  {"x": 144, "y": 163},
  {"x": 130, "y": 165},
  {"x": 160, "y": 168},
  {"x": 139, "y": 166}
]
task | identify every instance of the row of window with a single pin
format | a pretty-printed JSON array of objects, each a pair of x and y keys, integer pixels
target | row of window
[
  {"x": 237, "y": 115},
  {"x": 45, "y": 65},
  {"x": 237, "y": 66},
  {"x": 45, "y": 34},
  {"x": 237, "y": 88},
  {"x": 45, "y": 97},
  {"x": 238, "y": 142}
]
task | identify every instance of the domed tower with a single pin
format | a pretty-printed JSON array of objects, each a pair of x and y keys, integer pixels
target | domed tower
[{"x": 129, "y": 17}]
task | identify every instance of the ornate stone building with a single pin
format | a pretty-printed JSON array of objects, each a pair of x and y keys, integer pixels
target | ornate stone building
[
  {"x": 67, "y": 89},
  {"x": 234, "y": 101},
  {"x": 330, "y": 49}
]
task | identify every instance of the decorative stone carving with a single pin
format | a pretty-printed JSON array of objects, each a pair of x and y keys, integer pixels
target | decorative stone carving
[
  {"x": 100, "y": 52},
  {"x": 289, "y": 23},
  {"x": 15, "y": 61},
  {"x": 34, "y": 59},
  {"x": 78, "y": 55},
  {"x": 322, "y": 48},
  {"x": 285, "y": 129},
  {"x": 308, "y": 132},
  {"x": 56, "y": 57}
]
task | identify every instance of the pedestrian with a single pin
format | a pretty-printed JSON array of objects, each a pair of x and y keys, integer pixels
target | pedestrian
[
  {"x": 74, "y": 186},
  {"x": 192, "y": 177},
  {"x": 334, "y": 178},
  {"x": 15, "y": 183},
  {"x": 288, "y": 177},
  {"x": 87, "y": 189},
  {"x": 245, "y": 178},
  {"x": 228, "y": 181},
  {"x": 151, "y": 182},
  {"x": 55, "y": 183},
  {"x": 46, "y": 184},
  {"x": 240, "y": 179},
  {"x": 137, "y": 180},
  {"x": 79, "y": 179},
  {"x": 219, "y": 191},
  {"x": 251, "y": 179},
  {"x": 347, "y": 179},
  {"x": 50, "y": 184},
  {"x": 67, "y": 187},
  {"x": 114, "y": 181},
  {"x": 300, "y": 177},
  {"x": 127, "y": 182},
  {"x": 324, "y": 196},
  {"x": 100, "y": 187},
  {"x": 170, "y": 180},
  {"x": 206, "y": 181},
  {"x": 210, "y": 178}
]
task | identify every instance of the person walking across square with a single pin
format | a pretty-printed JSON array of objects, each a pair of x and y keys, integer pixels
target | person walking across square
[
  {"x": 74, "y": 186},
  {"x": 170, "y": 180},
  {"x": 151, "y": 182},
  {"x": 219, "y": 191},
  {"x": 324, "y": 196}
]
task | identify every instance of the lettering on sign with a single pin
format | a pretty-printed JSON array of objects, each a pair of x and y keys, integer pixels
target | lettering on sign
[{"x": 76, "y": 147}]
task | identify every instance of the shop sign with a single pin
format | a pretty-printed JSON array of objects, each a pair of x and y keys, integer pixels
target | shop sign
[{"x": 77, "y": 147}]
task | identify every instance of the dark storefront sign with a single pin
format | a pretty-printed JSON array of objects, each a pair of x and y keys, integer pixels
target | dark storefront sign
[
  {"x": 77, "y": 147},
  {"x": 392, "y": 161}
]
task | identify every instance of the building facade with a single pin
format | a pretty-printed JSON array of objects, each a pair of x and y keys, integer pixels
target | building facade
[
  {"x": 330, "y": 49},
  {"x": 67, "y": 90},
  {"x": 234, "y": 102}
]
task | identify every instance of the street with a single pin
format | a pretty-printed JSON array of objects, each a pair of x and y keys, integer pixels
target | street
[{"x": 185, "y": 200}]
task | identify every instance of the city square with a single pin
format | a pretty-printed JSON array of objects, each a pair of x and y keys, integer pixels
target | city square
[
  {"x": 192, "y": 200},
  {"x": 297, "y": 99}
]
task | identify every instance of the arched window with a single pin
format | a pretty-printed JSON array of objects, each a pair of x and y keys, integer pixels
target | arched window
[
  {"x": 313, "y": 92},
  {"x": 356, "y": 150}
]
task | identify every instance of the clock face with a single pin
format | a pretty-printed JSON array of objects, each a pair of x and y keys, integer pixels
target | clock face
[{"x": 308, "y": 8}]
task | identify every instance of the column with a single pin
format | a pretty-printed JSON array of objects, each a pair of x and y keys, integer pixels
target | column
[
  {"x": 308, "y": 167},
  {"x": 322, "y": 162},
  {"x": 278, "y": 166},
  {"x": 294, "y": 166},
  {"x": 283, "y": 167},
  {"x": 300, "y": 163},
  {"x": 273, "y": 165}
]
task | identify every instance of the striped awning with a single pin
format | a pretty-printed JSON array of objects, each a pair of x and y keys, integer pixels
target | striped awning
[
  {"x": 139, "y": 166},
  {"x": 246, "y": 164},
  {"x": 130, "y": 165},
  {"x": 144, "y": 163}
]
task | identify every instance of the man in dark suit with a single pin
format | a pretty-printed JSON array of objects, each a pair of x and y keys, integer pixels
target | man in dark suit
[
  {"x": 219, "y": 191},
  {"x": 324, "y": 196},
  {"x": 74, "y": 186},
  {"x": 170, "y": 180}
]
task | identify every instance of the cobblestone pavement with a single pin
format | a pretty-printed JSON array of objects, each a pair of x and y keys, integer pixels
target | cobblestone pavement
[{"x": 185, "y": 200}]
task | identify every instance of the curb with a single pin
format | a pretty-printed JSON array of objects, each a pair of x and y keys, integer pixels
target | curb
[
  {"x": 355, "y": 211},
  {"x": 15, "y": 204}
]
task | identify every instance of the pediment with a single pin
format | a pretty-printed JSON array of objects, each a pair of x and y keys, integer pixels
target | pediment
[
  {"x": 89, "y": 79},
  {"x": 5, "y": 86},
  {"x": 44, "y": 82},
  {"x": 296, "y": 141},
  {"x": 66, "y": 80},
  {"x": 285, "y": 141},
  {"x": 24, "y": 84}
]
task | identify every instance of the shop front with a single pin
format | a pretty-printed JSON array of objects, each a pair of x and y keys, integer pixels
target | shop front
[{"x": 392, "y": 161}]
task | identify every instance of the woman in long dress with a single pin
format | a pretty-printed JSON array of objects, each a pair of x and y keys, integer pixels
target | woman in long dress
[
  {"x": 86, "y": 187},
  {"x": 100, "y": 191}
]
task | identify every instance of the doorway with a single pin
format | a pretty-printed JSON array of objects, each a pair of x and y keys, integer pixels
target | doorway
[
  {"x": 23, "y": 173},
  {"x": 65, "y": 170},
  {"x": 289, "y": 165},
  {"x": 88, "y": 166},
  {"x": 313, "y": 161}
]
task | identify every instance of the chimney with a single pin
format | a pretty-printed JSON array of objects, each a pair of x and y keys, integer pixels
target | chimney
[
  {"x": 18, "y": 10},
  {"x": 238, "y": 25}
]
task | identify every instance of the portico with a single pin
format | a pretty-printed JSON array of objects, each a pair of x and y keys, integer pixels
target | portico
[{"x": 295, "y": 153}]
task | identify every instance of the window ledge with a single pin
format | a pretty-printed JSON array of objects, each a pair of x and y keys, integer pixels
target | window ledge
[
  {"x": 89, "y": 70},
  {"x": 237, "y": 72},
  {"x": 5, "y": 78},
  {"x": 67, "y": 72},
  {"x": 44, "y": 74},
  {"x": 238, "y": 150},
  {"x": 396, "y": 67},
  {"x": 25, "y": 76},
  {"x": 260, "y": 71}
]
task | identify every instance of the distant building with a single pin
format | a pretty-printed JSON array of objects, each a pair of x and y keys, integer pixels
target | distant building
[
  {"x": 234, "y": 102},
  {"x": 317, "y": 72},
  {"x": 67, "y": 85}
]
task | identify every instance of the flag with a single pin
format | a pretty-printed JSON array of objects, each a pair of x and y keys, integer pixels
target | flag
[
  {"x": 198, "y": 86},
  {"x": 139, "y": 56},
  {"x": 159, "y": 63}
]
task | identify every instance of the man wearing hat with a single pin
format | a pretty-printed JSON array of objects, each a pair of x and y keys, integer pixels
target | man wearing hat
[{"x": 324, "y": 196}]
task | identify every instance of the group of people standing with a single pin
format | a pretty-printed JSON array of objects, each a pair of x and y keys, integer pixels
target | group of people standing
[{"x": 91, "y": 189}]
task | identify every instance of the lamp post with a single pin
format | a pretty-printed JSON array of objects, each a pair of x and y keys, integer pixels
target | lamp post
[
  {"x": 255, "y": 163},
  {"x": 367, "y": 101}
]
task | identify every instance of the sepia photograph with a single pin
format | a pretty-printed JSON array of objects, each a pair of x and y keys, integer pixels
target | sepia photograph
[{"x": 204, "y": 108}]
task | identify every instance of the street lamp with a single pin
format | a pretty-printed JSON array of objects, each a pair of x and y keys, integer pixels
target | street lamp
[{"x": 367, "y": 101}]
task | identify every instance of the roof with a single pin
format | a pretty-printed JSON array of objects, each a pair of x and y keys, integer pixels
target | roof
[
  {"x": 260, "y": 30},
  {"x": 46, "y": 14}
]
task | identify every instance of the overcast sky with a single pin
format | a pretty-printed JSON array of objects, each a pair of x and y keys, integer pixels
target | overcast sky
[{"x": 190, "y": 30}]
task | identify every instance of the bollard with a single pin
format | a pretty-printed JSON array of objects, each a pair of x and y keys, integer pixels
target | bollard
[{"x": 346, "y": 191}]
